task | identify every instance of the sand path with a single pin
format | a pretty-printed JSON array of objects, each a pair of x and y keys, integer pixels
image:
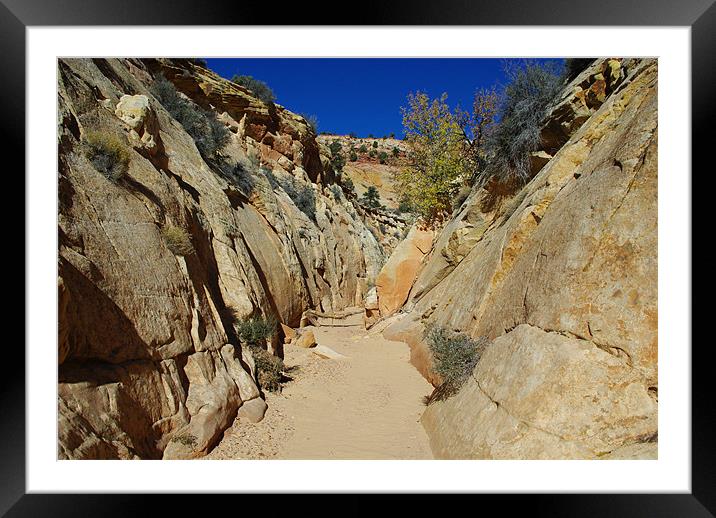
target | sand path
[{"x": 366, "y": 406}]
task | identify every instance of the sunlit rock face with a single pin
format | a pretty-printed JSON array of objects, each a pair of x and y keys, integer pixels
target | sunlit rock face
[{"x": 562, "y": 275}]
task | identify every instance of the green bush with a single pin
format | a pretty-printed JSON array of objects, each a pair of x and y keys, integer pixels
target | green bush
[
  {"x": 107, "y": 154},
  {"x": 177, "y": 240},
  {"x": 269, "y": 369},
  {"x": 396, "y": 152},
  {"x": 383, "y": 157},
  {"x": 375, "y": 144},
  {"x": 347, "y": 184},
  {"x": 302, "y": 195},
  {"x": 353, "y": 156},
  {"x": 532, "y": 87},
  {"x": 363, "y": 148},
  {"x": 455, "y": 356},
  {"x": 335, "y": 147},
  {"x": 210, "y": 135},
  {"x": 255, "y": 330},
  {"x": 336, "y": 191},
  {"x": 260, "y": 89},
  {"x": 371, "y": 197}
]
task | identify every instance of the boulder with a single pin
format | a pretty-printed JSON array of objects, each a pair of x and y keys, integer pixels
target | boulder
[
  {"x": 136, "y": 112},
  {"x": 253, "y": 410},
  {"x": 306, "y": 339},
  {"x": 397, "y": 275}
]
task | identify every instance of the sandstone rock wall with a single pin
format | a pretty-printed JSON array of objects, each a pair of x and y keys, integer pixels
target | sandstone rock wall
[
  {"x": 149, "y": 364},
  {"x": 562, "y": 275}
]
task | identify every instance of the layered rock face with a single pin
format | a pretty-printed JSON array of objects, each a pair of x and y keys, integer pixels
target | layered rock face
[
  {"x": 149, "y": 364},
  {"x": 562, "y": 276}
]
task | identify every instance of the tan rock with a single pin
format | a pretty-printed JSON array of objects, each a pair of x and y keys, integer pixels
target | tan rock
[
  {"x": 397, "y": 275},
  {"x": 136, "y": 112},
  {"x": 253, "y": 410},
  {"x": 289, "y": 333},
  {"x": 155, "y": 322},
  {"x": 564, "y": 279},
  {"x": 542, "y": 395},
  {"x": 306, "y": 339}
]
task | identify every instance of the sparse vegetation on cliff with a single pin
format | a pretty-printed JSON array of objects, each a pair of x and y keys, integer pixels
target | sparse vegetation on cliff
[
  {"x": 255, "y": 330},
  {"x": 210, "y": 135},
  {"x": 177, "y": 240},
  {"x": 257, "y": 87},
  {"x": 107, "y": 154},
  {"x": 455, "y": 356},
  {"x": 371, "y": 197},
  {"x": 302, "y": 195},
  {"x": 531, "y": 88}
]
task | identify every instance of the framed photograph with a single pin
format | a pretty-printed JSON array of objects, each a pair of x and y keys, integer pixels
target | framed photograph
[{"x": 443, "y": 249}]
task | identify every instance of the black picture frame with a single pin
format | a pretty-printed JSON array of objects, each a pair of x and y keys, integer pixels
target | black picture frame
[{"x": 700, "y": 15}]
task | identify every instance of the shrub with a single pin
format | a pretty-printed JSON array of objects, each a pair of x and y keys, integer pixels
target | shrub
[
  {"x": 353, "y": 134},
  {"x": 312, "y": 122},
  {"x": 375, "y": 144},
  {"x": 302, "y": 195},
  {"x": 353, "y": 156},
  {"x": 210, "y": 135},
  {"x": 186, "y": 439},
  {"x": 396, "y": 152},
  {"x": 260, "y": 89},
  {"x": 573, "y": 67},
  {"x": 335, "y": 147},
  {"x": 255, "y": 330},
  {"x": 107, "y": 154},
  {"x": 363, "y": 148},
  {"x": 177, "y": 240},
  {"x": 382, "y": 156},
  {"x": 269, "y": 368},
  {"x": 532, "y": 87},
  {"x": 336, "y": 191},
  {"x": 347, "y": 184},
  {"x": 371, "y": 197},
  {"x": 455, "y": 356},
  {"x": 404, "y": 205}
]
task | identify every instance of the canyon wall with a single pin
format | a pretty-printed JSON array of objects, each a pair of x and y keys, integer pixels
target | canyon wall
[
  {"x": 561, "y": 276},
  {"x": 149, "y": 364}
]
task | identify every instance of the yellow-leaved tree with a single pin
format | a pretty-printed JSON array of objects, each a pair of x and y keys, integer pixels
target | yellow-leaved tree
[{"x": 444, "y": 152}]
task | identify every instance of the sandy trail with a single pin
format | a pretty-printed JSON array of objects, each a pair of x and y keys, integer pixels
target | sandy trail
[{"x": 366, "y": 406}]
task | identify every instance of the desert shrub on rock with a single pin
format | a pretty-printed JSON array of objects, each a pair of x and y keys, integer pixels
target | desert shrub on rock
[
  {"x": 371, "y": 197},
  {"x": 302, "y": 195},
  {"x": 177, "y": 240},
  {"x": 107, "y": 153},
  {"x": 532, "y": 86},
  {"x": 209, "y": 134},
  {"x": 269, "y": 369},
  {"x": 259, "y": 88},
  {"x": 255, "y": 330},
  {"x": 455, "y": 356}
]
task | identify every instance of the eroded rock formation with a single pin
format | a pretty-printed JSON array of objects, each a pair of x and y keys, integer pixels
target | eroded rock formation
[
  {"x": 149, "y": 364},
  {"x": 562, "y": 276}
]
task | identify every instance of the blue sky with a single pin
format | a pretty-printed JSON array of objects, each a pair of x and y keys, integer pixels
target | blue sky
[{"x": 363, "y": 95}]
